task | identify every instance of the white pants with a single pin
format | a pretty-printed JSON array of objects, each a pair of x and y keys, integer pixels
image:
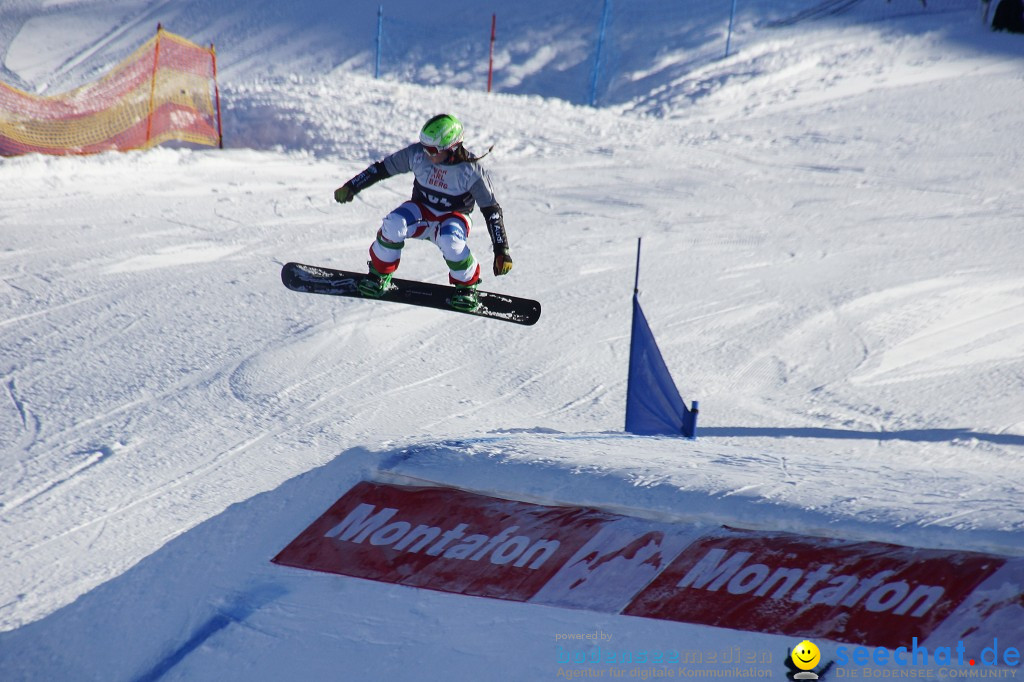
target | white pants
[{"x": 449, "y": 233}]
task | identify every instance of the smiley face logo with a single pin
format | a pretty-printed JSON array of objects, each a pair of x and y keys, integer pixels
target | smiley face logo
[{"x": 806, "y": 655}]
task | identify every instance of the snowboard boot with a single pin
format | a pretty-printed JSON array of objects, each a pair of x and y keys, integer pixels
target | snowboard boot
[
  {"x": 375, "y": 284},
  {"x": 465, "y": 297}
]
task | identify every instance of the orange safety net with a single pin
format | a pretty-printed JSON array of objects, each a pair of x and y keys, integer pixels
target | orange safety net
[{"x": 165, "y": 90}]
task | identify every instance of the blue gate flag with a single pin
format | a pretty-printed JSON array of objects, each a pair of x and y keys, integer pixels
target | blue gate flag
[{"x": 653, "y": 404}]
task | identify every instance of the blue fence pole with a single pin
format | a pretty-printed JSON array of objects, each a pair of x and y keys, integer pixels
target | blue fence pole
[
  {"x": 732, "y": 19},
  {"x": 597, "y": 57},
  {"x": 380, "y": 35}
]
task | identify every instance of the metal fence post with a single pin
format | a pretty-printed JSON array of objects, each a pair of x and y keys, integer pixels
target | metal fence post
[
  {"x": 380, "y": 35},
  {"x": 732, "y": 19},
  {"x": 597, "y": 57}
]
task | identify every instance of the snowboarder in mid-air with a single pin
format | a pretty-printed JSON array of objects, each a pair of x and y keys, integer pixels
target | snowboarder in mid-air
[{"x": 449, "y": 182}]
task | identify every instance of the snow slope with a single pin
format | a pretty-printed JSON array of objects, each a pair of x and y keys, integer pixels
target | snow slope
[{"x": 832, "y": 264}]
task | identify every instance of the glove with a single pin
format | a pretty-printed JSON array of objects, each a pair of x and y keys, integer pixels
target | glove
[
  {"x": 502, "y": 262},
  {"x": 344, "y": 194}
]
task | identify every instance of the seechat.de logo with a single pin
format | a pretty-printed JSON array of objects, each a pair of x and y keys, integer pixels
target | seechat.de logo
[{"x": 806, "y": 657}]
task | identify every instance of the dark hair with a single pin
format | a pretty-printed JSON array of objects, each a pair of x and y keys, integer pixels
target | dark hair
[{"x": 462, "y": 155}]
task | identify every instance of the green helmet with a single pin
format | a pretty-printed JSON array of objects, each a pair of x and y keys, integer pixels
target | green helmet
[{"x": 444, "y": 131}]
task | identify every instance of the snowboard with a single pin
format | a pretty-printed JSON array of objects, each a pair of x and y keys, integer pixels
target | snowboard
[{"x": 313, "y": 279}]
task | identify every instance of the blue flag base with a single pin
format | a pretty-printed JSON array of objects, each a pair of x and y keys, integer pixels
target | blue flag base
[{"x": 690, "y": 421}]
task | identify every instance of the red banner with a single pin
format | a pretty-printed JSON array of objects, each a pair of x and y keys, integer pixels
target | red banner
[
  {"x": 866, "y": 593},
  {"x": 622, "y": 558},
  {"x": 863, "y": 593},
  {"x": 443, "y": 539}
]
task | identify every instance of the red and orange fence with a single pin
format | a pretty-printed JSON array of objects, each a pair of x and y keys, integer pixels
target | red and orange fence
[{"x": 165, "y": 90}]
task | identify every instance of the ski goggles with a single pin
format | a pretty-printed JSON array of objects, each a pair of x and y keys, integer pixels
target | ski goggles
[{"x": 433, "y": 151}]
